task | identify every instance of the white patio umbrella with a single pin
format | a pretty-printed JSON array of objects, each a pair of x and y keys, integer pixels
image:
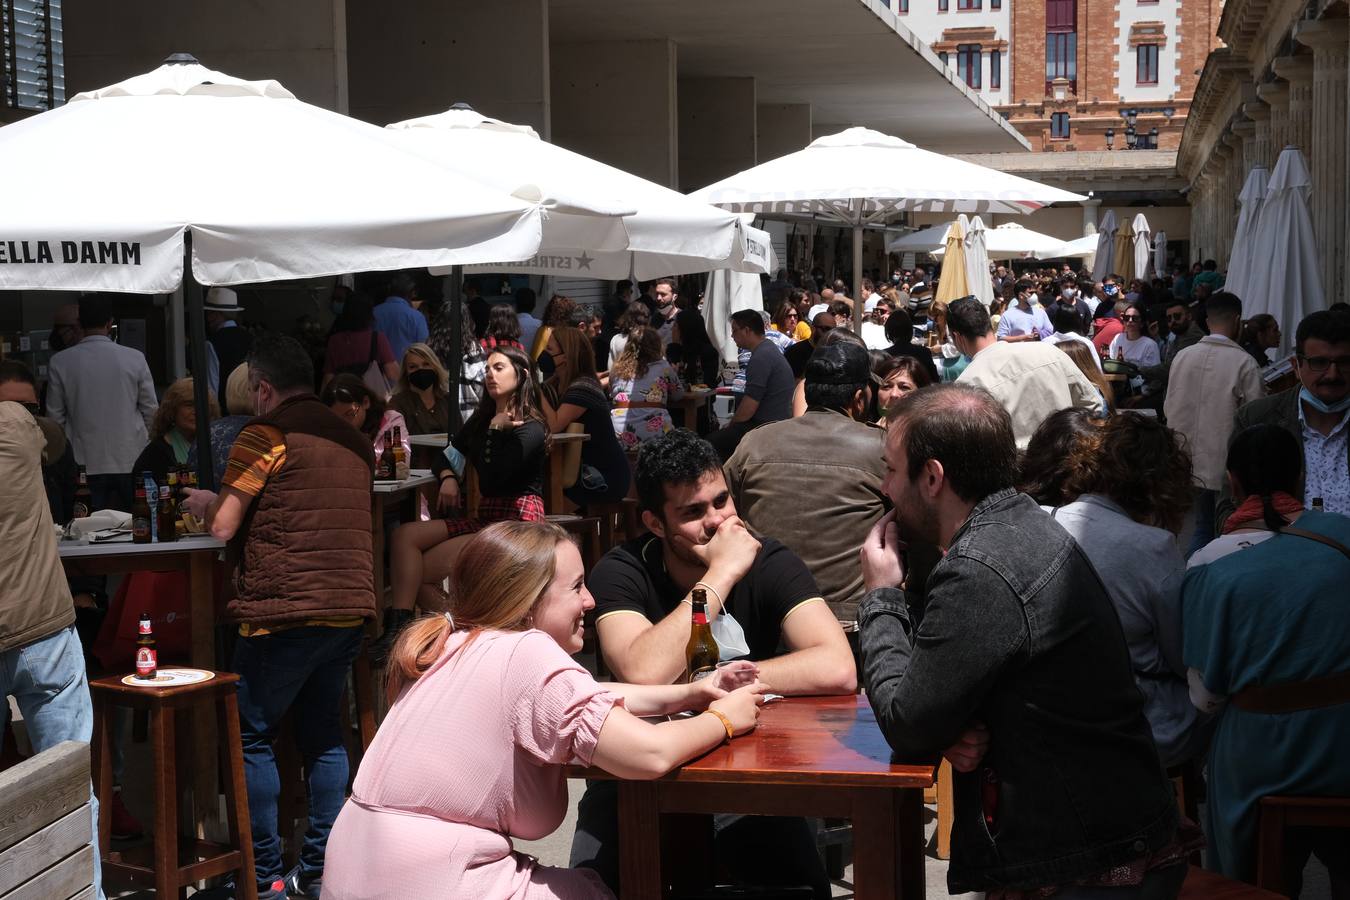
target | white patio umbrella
[
  {"x": 861, "y": 178},
  {"x": 663, "y": 232},
  {"x": 1106, "y": 239},
  {"x": 1013, "y": 241},
  {"x": 729, "y": 292},
  {"x": 1079, "y": 248},
  {"x": 925, "y": 240},
  {"x": 1159, "y": 253},
  {"x": 267, "y": 187},
  {"x": 1285, "y": 280},
  {"x": 977, "y": 262},
  {"x": 1143, "y": 247},
  {"x": 1245, "y": 259}
]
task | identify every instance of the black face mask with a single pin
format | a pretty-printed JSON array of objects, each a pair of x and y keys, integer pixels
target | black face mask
[
  {"x": 546, "y": 364},
  {"x": 422, "y": 379}
]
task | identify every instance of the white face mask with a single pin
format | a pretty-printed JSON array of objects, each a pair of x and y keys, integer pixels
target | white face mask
[
  {"x": 1032, "y": 298},
  {"x": 1068, "y": 293}
]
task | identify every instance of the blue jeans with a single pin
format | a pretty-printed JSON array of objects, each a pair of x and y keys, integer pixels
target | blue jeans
[
  {"x": 1204, "y": 518},
  {"x": 302, "y": 669},
  {"x": 47, "y": 679}
]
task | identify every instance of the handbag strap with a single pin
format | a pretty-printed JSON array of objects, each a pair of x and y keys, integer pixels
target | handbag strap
[
  {"x": 374, "y": 345},
  {"x": 1314, "y": 536}
]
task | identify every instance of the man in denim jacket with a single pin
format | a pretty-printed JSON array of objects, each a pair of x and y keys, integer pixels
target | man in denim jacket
[{"x": 1015, "y": 669}]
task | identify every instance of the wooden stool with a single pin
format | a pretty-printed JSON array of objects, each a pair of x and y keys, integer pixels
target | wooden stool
[
  {"x": 618, "y": 521},
  {"x": 1279, "y": 813},
  {"x": 170, "y": 864}
]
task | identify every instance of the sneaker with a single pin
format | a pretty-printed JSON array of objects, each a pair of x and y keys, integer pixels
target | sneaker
[
  {"x": 124, "y": 824},
  {"x": 304, "y": 888},
  {"x": 274, "y": 891}
]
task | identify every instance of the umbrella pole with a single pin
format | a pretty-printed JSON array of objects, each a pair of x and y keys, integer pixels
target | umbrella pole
[
  {"x": 455, "y": 296},
  {"x": 196, "y": 320},
  {"x": 858, "y": 298}
]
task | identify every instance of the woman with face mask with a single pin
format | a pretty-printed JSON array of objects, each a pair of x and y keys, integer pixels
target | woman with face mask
[{"x": 421, "y": 396}]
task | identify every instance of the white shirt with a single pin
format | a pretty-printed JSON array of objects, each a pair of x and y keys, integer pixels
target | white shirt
[
  {"x": 1141, "y": 352},
  {"x": 1032, "y": 381},
  {"x": 104, "y": 397},
  {"x": 1060, "y": 337},
  {"x": 874, "y": 336},
  {"x": 1325, "y": 473}
]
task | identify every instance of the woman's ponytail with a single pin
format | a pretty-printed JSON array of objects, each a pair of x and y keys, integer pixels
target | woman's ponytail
[{"x": 418, "y": 647}]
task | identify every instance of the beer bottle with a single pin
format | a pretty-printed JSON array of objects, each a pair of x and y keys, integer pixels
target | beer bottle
[
  {"x": 84, "y": 501},
  {"x": 142, "y": 531},
  {"x": 701, "y": 652},
  {"x": 385, "y": 468},
  {"x": 147, "y": 657},
  {"x": 400, "y": 457},
  {"x": 167, "y": 514}
]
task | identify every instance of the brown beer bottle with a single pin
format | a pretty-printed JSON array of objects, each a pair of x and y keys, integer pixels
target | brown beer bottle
[
  {"x": 141, "y": 532},
  {"x": 84, "y": 501},
  {"x": 147, "y": 657},
  {"x": 701, "y": 652},
  {"x": 400, "y": 458},
  {"x": 386, "y": 469},
  {"x": 167, "y": 512}
]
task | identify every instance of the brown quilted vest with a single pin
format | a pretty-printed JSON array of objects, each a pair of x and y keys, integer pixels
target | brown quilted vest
[{"x": 304, "y": 550}]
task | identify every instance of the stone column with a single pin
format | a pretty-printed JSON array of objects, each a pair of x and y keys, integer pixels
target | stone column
[
  {"x": 1091, "y": 213},
  {"x": 1229, "y": 188},
  {"x": 1249, "y": 148},
  {"x": 1260, "y": 115},
  {"x": 1276, "y": 96},
  {"x": 1330, "y": 41},
  {"x": 1298, "y": 71}
]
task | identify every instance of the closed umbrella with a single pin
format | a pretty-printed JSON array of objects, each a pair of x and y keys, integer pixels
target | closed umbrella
[
  {"x": 1159, "y": 253},
  {"x": 729, "y": 292},
  {"x": 977, "y": 262},
  {"x": 1142, "y": 246},
  {"x": 1122, "y": 260},
  {"x": 1106, "y": 239},
  {"x": 952, "y": 282},
  {"x": 1285, "y": 280},
  {"x": 1245, "y": 258}
]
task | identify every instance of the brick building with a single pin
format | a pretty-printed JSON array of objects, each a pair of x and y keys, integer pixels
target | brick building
[{"x": 1067, "y": 73}]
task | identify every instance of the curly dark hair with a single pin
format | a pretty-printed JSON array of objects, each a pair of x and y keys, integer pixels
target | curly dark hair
[
  {"x": 1143, "y": 466},
  {"x": 1065, "y": 441},
  {"x": 678, "y": 457}
]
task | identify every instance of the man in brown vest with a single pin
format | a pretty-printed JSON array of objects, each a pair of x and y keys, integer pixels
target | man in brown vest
[{"x": 295, "y": 508}]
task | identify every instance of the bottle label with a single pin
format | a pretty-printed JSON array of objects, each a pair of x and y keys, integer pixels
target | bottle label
[
  {"x": 700, "y": 618},
  {"x": 80, "y": 510},
  {"x": 702, "y": 673},
  {"x": 143, "y": 627},
  {"x": 146, "y": 662},
  {"x": 140, "y": 527}
]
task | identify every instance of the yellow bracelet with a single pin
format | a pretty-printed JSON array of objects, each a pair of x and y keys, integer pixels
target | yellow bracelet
[{"x": 726, "y": 723}]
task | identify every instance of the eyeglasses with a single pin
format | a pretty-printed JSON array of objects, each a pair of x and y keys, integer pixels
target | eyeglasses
[
  {"x": 342, "y": 395},
  {"x": 1322, "y": 363},
  {"x": 1129, "y": 318}
]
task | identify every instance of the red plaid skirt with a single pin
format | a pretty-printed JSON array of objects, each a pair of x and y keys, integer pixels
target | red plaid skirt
[{"x": 524, "y": 508}]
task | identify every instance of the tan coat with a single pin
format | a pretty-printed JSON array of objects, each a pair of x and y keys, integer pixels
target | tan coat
[
  {"x": 1207, "y": 384},
  {"x": 34, "y": 599}
]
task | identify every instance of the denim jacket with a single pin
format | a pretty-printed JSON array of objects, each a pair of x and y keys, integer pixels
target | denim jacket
[{"x": 1017, "y": 632}]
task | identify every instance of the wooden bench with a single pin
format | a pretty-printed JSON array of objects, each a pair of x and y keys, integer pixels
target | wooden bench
[
  {"x": 1204, "y": 885},
  {"x": 1279, "y": 813},
  {"x": 46, "y": 827}
]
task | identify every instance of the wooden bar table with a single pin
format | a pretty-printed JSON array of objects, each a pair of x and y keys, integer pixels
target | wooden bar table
[
  {"x": 693, "y": 400},
  {"x": 196, "y": 555},
  {"x": 403, "y": 493},
  {"x": 809, "y": 756}
]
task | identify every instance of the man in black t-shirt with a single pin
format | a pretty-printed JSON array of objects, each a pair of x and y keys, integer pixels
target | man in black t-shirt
[
  {"x": 643, "y": 617},
  {"x": 799, "y": 354}
]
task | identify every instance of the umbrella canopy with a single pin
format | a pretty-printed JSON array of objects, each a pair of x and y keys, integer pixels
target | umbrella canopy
[
  {"x": 861, "y": 178},
  {"x": 952, "y": 283},
  {"x": 1105, "y": 253},
  {"x": 1159, "y": 253},
  {"x": 925, "y": 240},
  {"x": 1013, "y": 241},
  {"x": 1142, "y": 248},
  {"x": 977, "y": 262},
  {"x": 269, "y": 188},
  {"x": 1245, "y": 260},
  {"x": 1080, "y": 248},
  {"x": 662, "y": 232},
  {"x": 1285, "y": 280}
]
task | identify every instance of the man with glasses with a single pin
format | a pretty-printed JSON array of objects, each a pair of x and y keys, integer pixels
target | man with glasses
[
  {"x": 1316, "y": 412},
  {"x": 1208, "y": 383}
]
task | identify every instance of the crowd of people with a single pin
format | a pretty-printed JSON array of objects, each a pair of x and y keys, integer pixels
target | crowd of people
[{"x": 1069, "y": 541}]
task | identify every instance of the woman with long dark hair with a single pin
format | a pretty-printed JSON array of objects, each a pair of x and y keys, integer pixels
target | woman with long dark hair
[
  {"x": 574, "y": 395},
  {"x": 503, "y": 328},
  {"x": 641, "y": 384}
]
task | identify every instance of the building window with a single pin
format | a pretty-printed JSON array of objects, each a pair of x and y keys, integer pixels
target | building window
[
  {"x": 968, "y": 4},
  {"x": 34, "y": 58},
  {"x": 1146, "y": 64},
  {"x": 904, "y": 6},
  {"x": 968, "y": 64},
  {"x": 995, "y": 4},
  {"x": 1059, "y": 126},
  {"x": 1061, "y": 42},
  {"x": 942, "y": 58},
  {"x": 942, "y": 5},
  {"x": 995, "y": 69}
]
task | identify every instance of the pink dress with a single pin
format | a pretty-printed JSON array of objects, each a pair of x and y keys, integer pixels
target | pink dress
[{"x": 471, "y": 754}]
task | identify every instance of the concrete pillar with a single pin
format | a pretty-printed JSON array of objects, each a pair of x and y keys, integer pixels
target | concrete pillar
[
  {"x": 780, "y": 129},
  {"x": 1091, "y": 212},
  {"x": 417, "y": 58},
  {"x": 1260, "y": 114},
  {"x": 1249, "y": 148},
  {"x": 1330, "y": 41},
  {"x": 615, "y": 101},
  {"x": 1230, "y": 185},
  {"x": 1298, "y": 71},
  {"x": 302, "y": 44},
  {"x": 1276, "y": 96},
  {"x": 717, "y": 124}
]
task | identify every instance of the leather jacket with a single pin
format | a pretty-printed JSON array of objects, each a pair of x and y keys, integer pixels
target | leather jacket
[{"x": 1018, "y": 632}]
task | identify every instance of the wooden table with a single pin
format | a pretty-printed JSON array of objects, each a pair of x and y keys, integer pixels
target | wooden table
[
  {"x": 693, "y": 400},
  {"x": 381, "y": 495},
  {"x": 553, "y": 476},
  {"x": 196, "y": 555},
  {"x": 809, "y": 756},
  {"x": 439, "y": 440}
]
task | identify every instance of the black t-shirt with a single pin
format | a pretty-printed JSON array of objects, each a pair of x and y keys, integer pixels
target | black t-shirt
[
  {"x": 922, "y": 354},
  {"x": 602, "y": 450},
  {"x": 632, "y": 578},
  {"x": 798, "y": 355}
]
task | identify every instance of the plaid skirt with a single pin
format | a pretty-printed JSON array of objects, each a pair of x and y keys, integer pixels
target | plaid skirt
[{"x": 524, "y": 508}]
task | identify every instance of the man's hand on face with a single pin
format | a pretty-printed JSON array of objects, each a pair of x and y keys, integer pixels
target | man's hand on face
[
  {"x": 731, "y": 551},
  {"x": 882, "y": 565}
]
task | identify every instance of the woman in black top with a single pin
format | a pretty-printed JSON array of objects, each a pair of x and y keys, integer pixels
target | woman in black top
[
  {"x": 506, "y": 442},
  {"x": 172, "y": 431},
  {"x": 574, "y": 394}
]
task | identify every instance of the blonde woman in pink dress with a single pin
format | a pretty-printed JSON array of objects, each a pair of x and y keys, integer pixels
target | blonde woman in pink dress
[{"x": 489, "y": 709}]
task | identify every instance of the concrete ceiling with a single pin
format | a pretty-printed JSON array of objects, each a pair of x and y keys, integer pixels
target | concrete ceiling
[{"x": 851, "y": 60}]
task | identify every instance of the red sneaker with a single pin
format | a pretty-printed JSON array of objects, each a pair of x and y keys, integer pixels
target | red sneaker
[{"x": 124, "y": 824}]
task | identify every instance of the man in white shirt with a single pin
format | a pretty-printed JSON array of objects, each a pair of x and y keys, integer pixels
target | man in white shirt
[
  {"x": 874, "y": 326},
  {"x": 1207, "y": 384},
  {"x": 1024, "y": 321},
  {"x": 1031, "y": 380},
  {"x": 104, "y": 397}
]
